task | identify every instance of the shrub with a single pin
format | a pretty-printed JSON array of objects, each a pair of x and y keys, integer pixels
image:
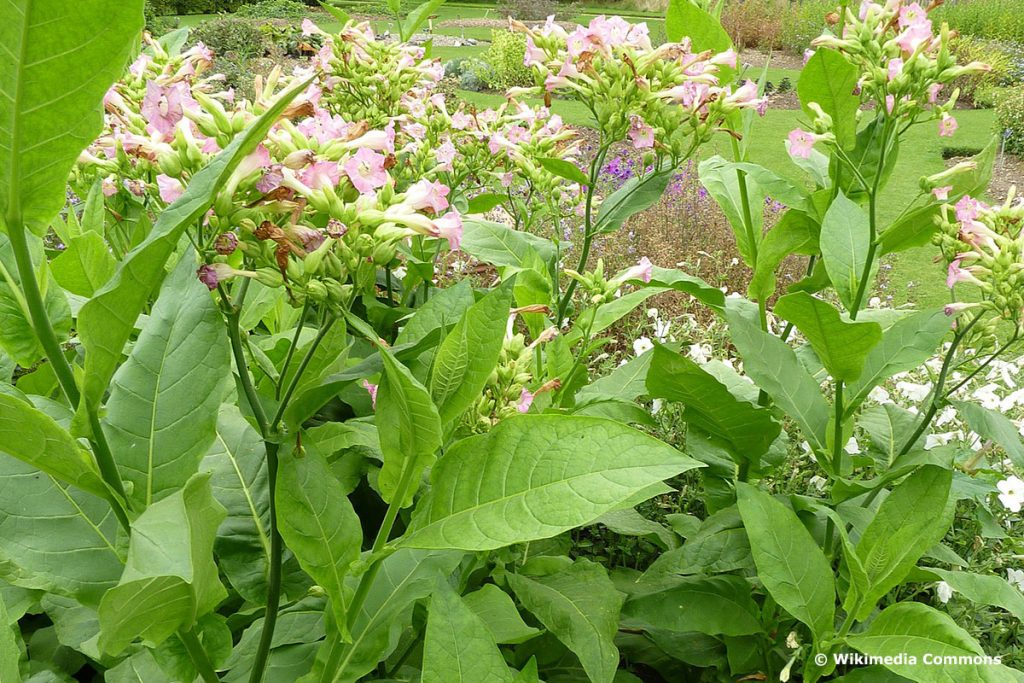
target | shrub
[
  {"x": 504, "y": 59},
  {"x": 232, "y": 36},
  {"x": 156, "y": 22},
  {"x": 1010, "y": 120},
  {"x": 1000, "y": 19},
  {"x": 288, "y": 39},
  {"x": 754, "y": 23},
  {"x": 533, "y": 10},
  {"x": 993, "y": 53},
  {"x": 274, "y": 9},
  {"x": 471, "y": 80},
  {"x": 804, "y": 23}
]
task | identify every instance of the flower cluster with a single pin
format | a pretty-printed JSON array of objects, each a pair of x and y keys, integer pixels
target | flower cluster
[
  {"x": 667, "y": 99},
  {"x": 602, "y": 290},
  {"x": 984, "y": 246}
]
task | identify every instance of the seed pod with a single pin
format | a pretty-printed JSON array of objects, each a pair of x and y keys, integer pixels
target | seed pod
[{"x": 268, "y": 277}]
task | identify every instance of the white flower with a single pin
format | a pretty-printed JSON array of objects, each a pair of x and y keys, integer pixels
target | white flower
[
  {"x": 818, "y": 482},
  {"x": 699, "y": 353},
  {"x": 880, "y": 395},
  {"x": 851, "y": 446},
  {"x": 944, "y": 592},
  {"x": 642, "y": 346},
  {"x": 661, "y": 328},
  {"x": 652, "y": 312},
  {"x": 914, "y": 392},
  {"x": 947, "y": 415},
  {"x": 940, "y": 439},
  {"x": 1016, "y": 578},
  {"x": 874, "y": 302},
  {"x": 987, "y": 396},
  {"x": 1011, "y": 493},
  {"x": 656, "y": 406},
  {"x": 792, "y": 642}
]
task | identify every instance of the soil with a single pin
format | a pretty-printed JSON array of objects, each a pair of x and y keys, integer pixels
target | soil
[
  {"x": 1007, "y": 172},
  {"x": 779, "y": 60}
]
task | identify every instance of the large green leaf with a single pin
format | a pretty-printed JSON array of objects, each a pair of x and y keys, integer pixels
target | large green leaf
[
  {"x": 35, "y": 438},
  {"x": 748, "y": 429},
  {"x": 775, "y": 367},
  {"x": 17, "y": 335},
  {"x": 841, "y": 345},
  {"x": 409, "y": 429},
  {"x": 170, "y": 578},
  {"x": 85, "y": 266},
  {"x": 468, "y": 355},
  {"x": 162, "y": 411},
  {"x": 64, "y": 542},
  {"x": 995, "y": 426},
  {"x": 912, "y": 519},
  {"x": 719, "y": 177},
  {"x": 238, "y": 476},
  {"x": 794, "y": 233},
  {"x": 636, "y": 194},
  {"x": 917, "y": 632},
  {"x": 318, "y": 524},
  {"x": 106, "y": 321},
  {"x": 717, "y": 605},
  {"x": 789, "y": 563},
  {"x": 686, "y": 19},
  {"x": 59, "y": 59},
  {"x": 499, "y": 615},
  {"x": 983, "y": 589},
  {"x": 500, "y": 245},
  {"x": 10, "y": 651},
  {"x": 443, "y": 309},
  {"x": 831, "y": 81},
  {"x": 458, "y": 647},
  {"x": 906, "y": 345},
  {"x": 405, "y": 577},
  {"x": 845, "y": 242},
  {"x": 580, "y": 606},
  {"x": 535, "y": 476}
]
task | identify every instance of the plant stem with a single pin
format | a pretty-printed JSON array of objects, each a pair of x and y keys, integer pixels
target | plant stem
[
  {"x": 837, "y": 435},
  {"x": 33, "y": 298},
  {"x": 588, "y": 231},
  {"x": 324, "y": 329},
  {"x": 988, "y": 361},
  {"x": 274, "y": 573},
  {"x": 862, "y": 286},
  {"x": 291, "y": 350},
  {"x": 198, "y": 656}
]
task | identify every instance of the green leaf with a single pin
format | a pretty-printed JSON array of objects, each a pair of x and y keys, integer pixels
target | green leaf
[
  {"x": 831, "y": 81},
  {"x": 238, "y": 476},
  {"x": 500, "y": 245},
  {"x": 719, "y": 545},
  {"x": 170, "y": 578},
  {"x": 418, "y": 16},
  {"x": 305, "y": 405},
  {"x": 626, "y": 382},
  {"x": 107, "y": 320},
  {"x": 636, "y": 194},
  {"x": 499, "y": 615},
  {"x": 58, "y": 61},
  {"x": 10, "y": 651},
  {"x": 912, "y": 519},
  {"x": 795, "y": 233},
  {"x": 443, "y": 310},
  {"x": 677, "y": 280},
  {"x": 65, "y": 542},
  {"x": 405, "y": 577},
  {"x": 17, "y": 335},
  {"x": 533, "y": 477},
  {"x": 318, "y": 524},
  {"x": 469, "y": 354},
  {"x": 458, "y": 647},
  {"x": 845, "y": 242},
  {"x": 35, "y": 438},
  {"x": 748, "y": 429},
  {"x": 789, "y": 563},
  {"x": 482, "y": 203},
  {"x": 580, "y": 606},
  {"x": 994, "y": 426},
  {"x": 629, "y": 522},
  {"x": 85, "y": 266},
  {"x": 983, "y": 589},
  {"x": 684, "y": 18},
  {"x": 564, "y": 169},
  {"x": 717, "y": 605},
  {"x": 719, "y": 177},
  {"x": 841, "y": 346},
  {"x": 336, "y": 12},
  {"x": 162, "y": 411},
  {"x": 774, "y": 365},
  {"x": 916, "y": 630},
  {"x": 141, "y": 667},
  {"x": 409, "y": 428},
  {"x": 906, "y": 345}
]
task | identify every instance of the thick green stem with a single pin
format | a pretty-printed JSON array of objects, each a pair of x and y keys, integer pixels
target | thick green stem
[
  {"x": 324, "y": 329},
  {"x": 274, "y": 573},
  {"x": 291, "y": 350},
  {"x": 862, "y": 286},
  {"x": 43, "y": 329},
  {"x": 837, "y": 435},
  {"x": 588, "y": 231},
  {"x": 198, "y": 656}
]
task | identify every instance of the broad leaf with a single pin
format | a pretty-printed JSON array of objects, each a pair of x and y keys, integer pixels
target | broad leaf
[
  {"x": 85, "y": 266},
  {"x": 318, "y": 524},
  {"x": 915, "y": 630},
  {"x": 170, "y": 578},
  {"x": 162, "y": 410},
  {"x": 995, "y": 426},
  {"x": 789, "y": 563},
  {"x": 984, "y": 589},
  {"x": 469, "y": 354},
  {"x": 685, "y": 18},
  {"x": 845, "y": 241},
  {"x": 831, "y": 81},
  {"x": 636, "y": 194},
  {"x": 59, "y": 59},
  {"x": 442, "y": 311},
  {"x": 580, "y": 606},
  {"x": 841, "y": 345},
  {"x": 717, "y": 605},
  {"x": 535, "y": 476},
  {"x": 107, "y": 320},
  {"x": 775, "y": 367},
  {"x": 795, "y": 233},
  {"x": 17, "y": 335},
  {"x": 500, "y": 245},
  {"x": 409, "y": 429},
  {"x": 499, "y": 615},
  {"x": 417, "y": 17},
  {"x": 564, "y": 169},
  {"x": 10, "y": 651},
  {"x": 748, "y": 429},
  {"x": 912, "y": 519},
  {"x": 458, "y": 647},
  {"x": 720, "y": 179}
]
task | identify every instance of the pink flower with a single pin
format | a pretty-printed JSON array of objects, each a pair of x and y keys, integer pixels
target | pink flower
[
  {"x": 365, "y": 169},
  {"x": 957, "y": 308},
  {"x": 957, "y": 274},
  {"x": 449, "y": 226},
  {"x": 553, "y": 82},
  {"x": 942, "y": 193},
  {"x": 309, "y": 28},
  {"x": 109, "y": 187},
  {"x": 801, "y": 143},
  {"x": 426, "y": 194},
  {"x": 967, "y": 209},
  {"x": 445, "y": 155},
  {"x": 525, "y": 401},
  {"x": 914, "y": 36},
  {"x": 808, "y": 53},
  {"x": 895, "y": 68},
  {"x": 213, "y": 274},
  {"x": 947, "y": 126},
  {"x": 890, "y": 103},
  {"x": 323, "y": 127},
  {"x": 164, "y": 107},
  {"x": 372, "y": 390},
  {"x": 641, "y": 271},
  {"x": 933, "y": 92},
  {"x": 533, "y": 55},
  {"x": 912, "y": 15},
  {"x": 461, "y": 121},
  {"x": 506, "y": 179},
  {"x": 170, "y": 188},
  {"x": 416, "y": 131},
  {"x": 321, "y": 174},
  {"x": 640, "y": 133},
  {"x": 270, "y": 181},
  {"x": 728, "y": 58}
]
